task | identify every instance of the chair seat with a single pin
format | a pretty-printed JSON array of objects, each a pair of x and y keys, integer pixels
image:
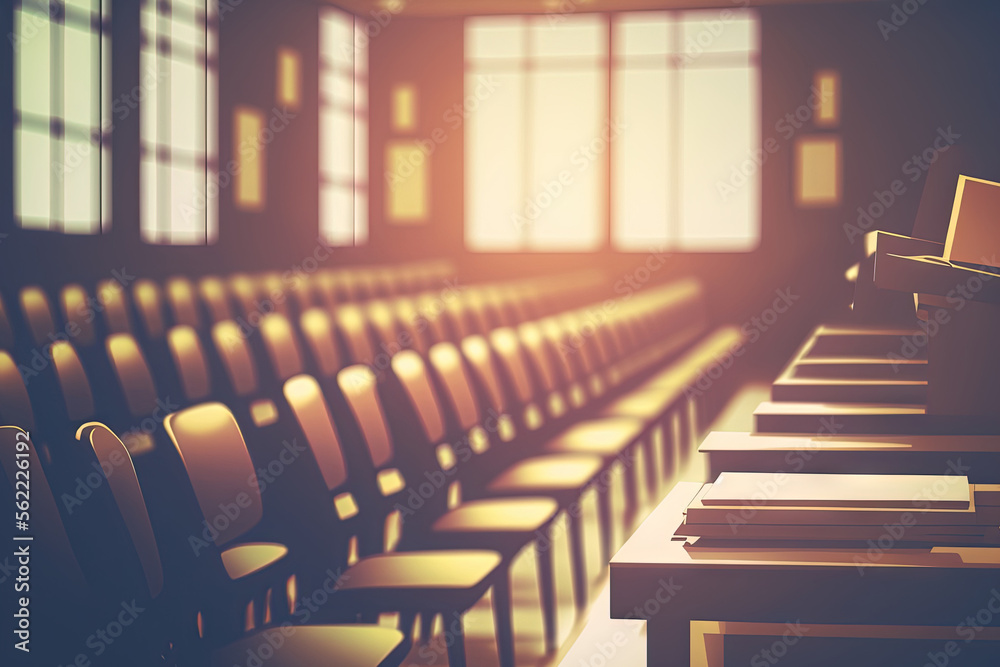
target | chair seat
[
  {"x": 317, "y": 646},
  {"x": 647, "y": 403},
  {"x": 545, "y": 474},
  {"x": 604, "y": 437},
  {"x": 501, "y": 515},
  {"x": 246, "y": 559},
  {"x": 416, "y": 580}
]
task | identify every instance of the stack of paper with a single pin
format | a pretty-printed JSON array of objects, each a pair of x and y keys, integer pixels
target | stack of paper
[{"x": 896, "y": 509}]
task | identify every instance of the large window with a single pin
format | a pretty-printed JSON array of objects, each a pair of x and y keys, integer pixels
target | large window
[
  {"x": 62, "y": 106},
  {"x": 179, "y": 118},
  {"x": 554, "y": 161},
  {"x": 343, "y": 170}
]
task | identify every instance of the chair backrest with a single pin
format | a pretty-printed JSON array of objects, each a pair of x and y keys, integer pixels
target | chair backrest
[
  {"x": 72, "y": 379},
  {"x": 148, "y": 299},
  {"x": 216, "y": 460},
  {"x": 282, "y": 346},
  {"x": 37, "y": 314},
  {"x": 384, "y": 324},
  {"x": 509, "y": 352},
  {"x": 321, "y": 341},
  {"x": 538, "y": 353},
  {"x": 301, "y": 294},
  {"x": 241, "y": 286},
  {"x": 414, "y": 332},
  {"x": 78, "y": 314},
  {"x": 234, "y": 352},
  {"x": 51, "y": 541},
  {"x": 326, "y": 287},
  {"x": 182, "y": 302},
  {"x": 111, "y": 296},
  {"x": 188, "y": 357},
  {"x": 353, "y": 327},
  {"x": 479, "y": 354},
  {"x": 456, "y": 313},
  {"x": 15, "y": 406},
  {"x": 431, "y": 307},
  {"x": 409, "y": 369},
  {"x": 360, "y": 390},
  {"x": 213, "y": 294},
  {"x": 478, "y": 311},
  {"x": 276, "y": 291},
  {"x": 123, "y": 483},
  {"x": 132, "y": 371},
  {"x": 447, "y": 362},
  {"x": 305, "y": 398}
]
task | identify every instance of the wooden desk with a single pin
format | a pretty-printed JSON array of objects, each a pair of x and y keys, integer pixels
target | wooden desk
[
  {"x": 659, "y": 579},
  {"x": 976, "y": 456}
]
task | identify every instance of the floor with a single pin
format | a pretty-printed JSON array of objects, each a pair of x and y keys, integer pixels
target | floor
[{"x": 595, "y": 640}]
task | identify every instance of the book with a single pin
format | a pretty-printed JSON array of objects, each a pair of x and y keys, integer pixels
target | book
[
  {"x": 839, "y": 490},
  {"x": 974, "y": 231},
  {"x": 698, "y": 512}
]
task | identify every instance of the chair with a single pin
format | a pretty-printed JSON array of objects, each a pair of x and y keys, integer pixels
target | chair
[
  {"x": 350, "y": 646},
  {"x": 486, "y": 469},
  {"x": 504, "y": 524}
]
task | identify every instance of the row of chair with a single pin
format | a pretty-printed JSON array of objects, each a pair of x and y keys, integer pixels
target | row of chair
[
  {"x": 143, "y": 308},
  {"x": 279, "y": 469}
]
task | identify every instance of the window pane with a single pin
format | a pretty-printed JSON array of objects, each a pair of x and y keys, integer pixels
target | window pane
[
  {"x": 337, "y": 88},
  {"x": 337, "y": 214},
  {"x": 708, "y": 32},
  {"x": 361, "y": 43},
  {"x": 642, "y": 34},
  {"x": 717, "y": 210},
  {"x": 81, "y": 82},
  {"x": 494, "y": 142},
  {"x": 583, "y": 35},
  {"x": 79, "y": 174},
  {"x": 187, "y": 36},
  {"x": 34, "y": 48},
  {"x": 187, "y": 207},
  {"x": 494, "y": 37},
  {"x": 32, "y": 188},
  {"x": 337, "y": 135},
  {"x": 569, "y": 144},
  {"x": 336, "y": 39},
  {"x": 643, "y": 186},
  {"x": 187, "y": 113}
]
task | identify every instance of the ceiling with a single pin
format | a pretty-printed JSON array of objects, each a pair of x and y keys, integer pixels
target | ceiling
[{"x": 477, "y": 7}]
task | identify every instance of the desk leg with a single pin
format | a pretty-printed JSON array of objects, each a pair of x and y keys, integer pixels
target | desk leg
[{"x": 668, "y": 642}]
